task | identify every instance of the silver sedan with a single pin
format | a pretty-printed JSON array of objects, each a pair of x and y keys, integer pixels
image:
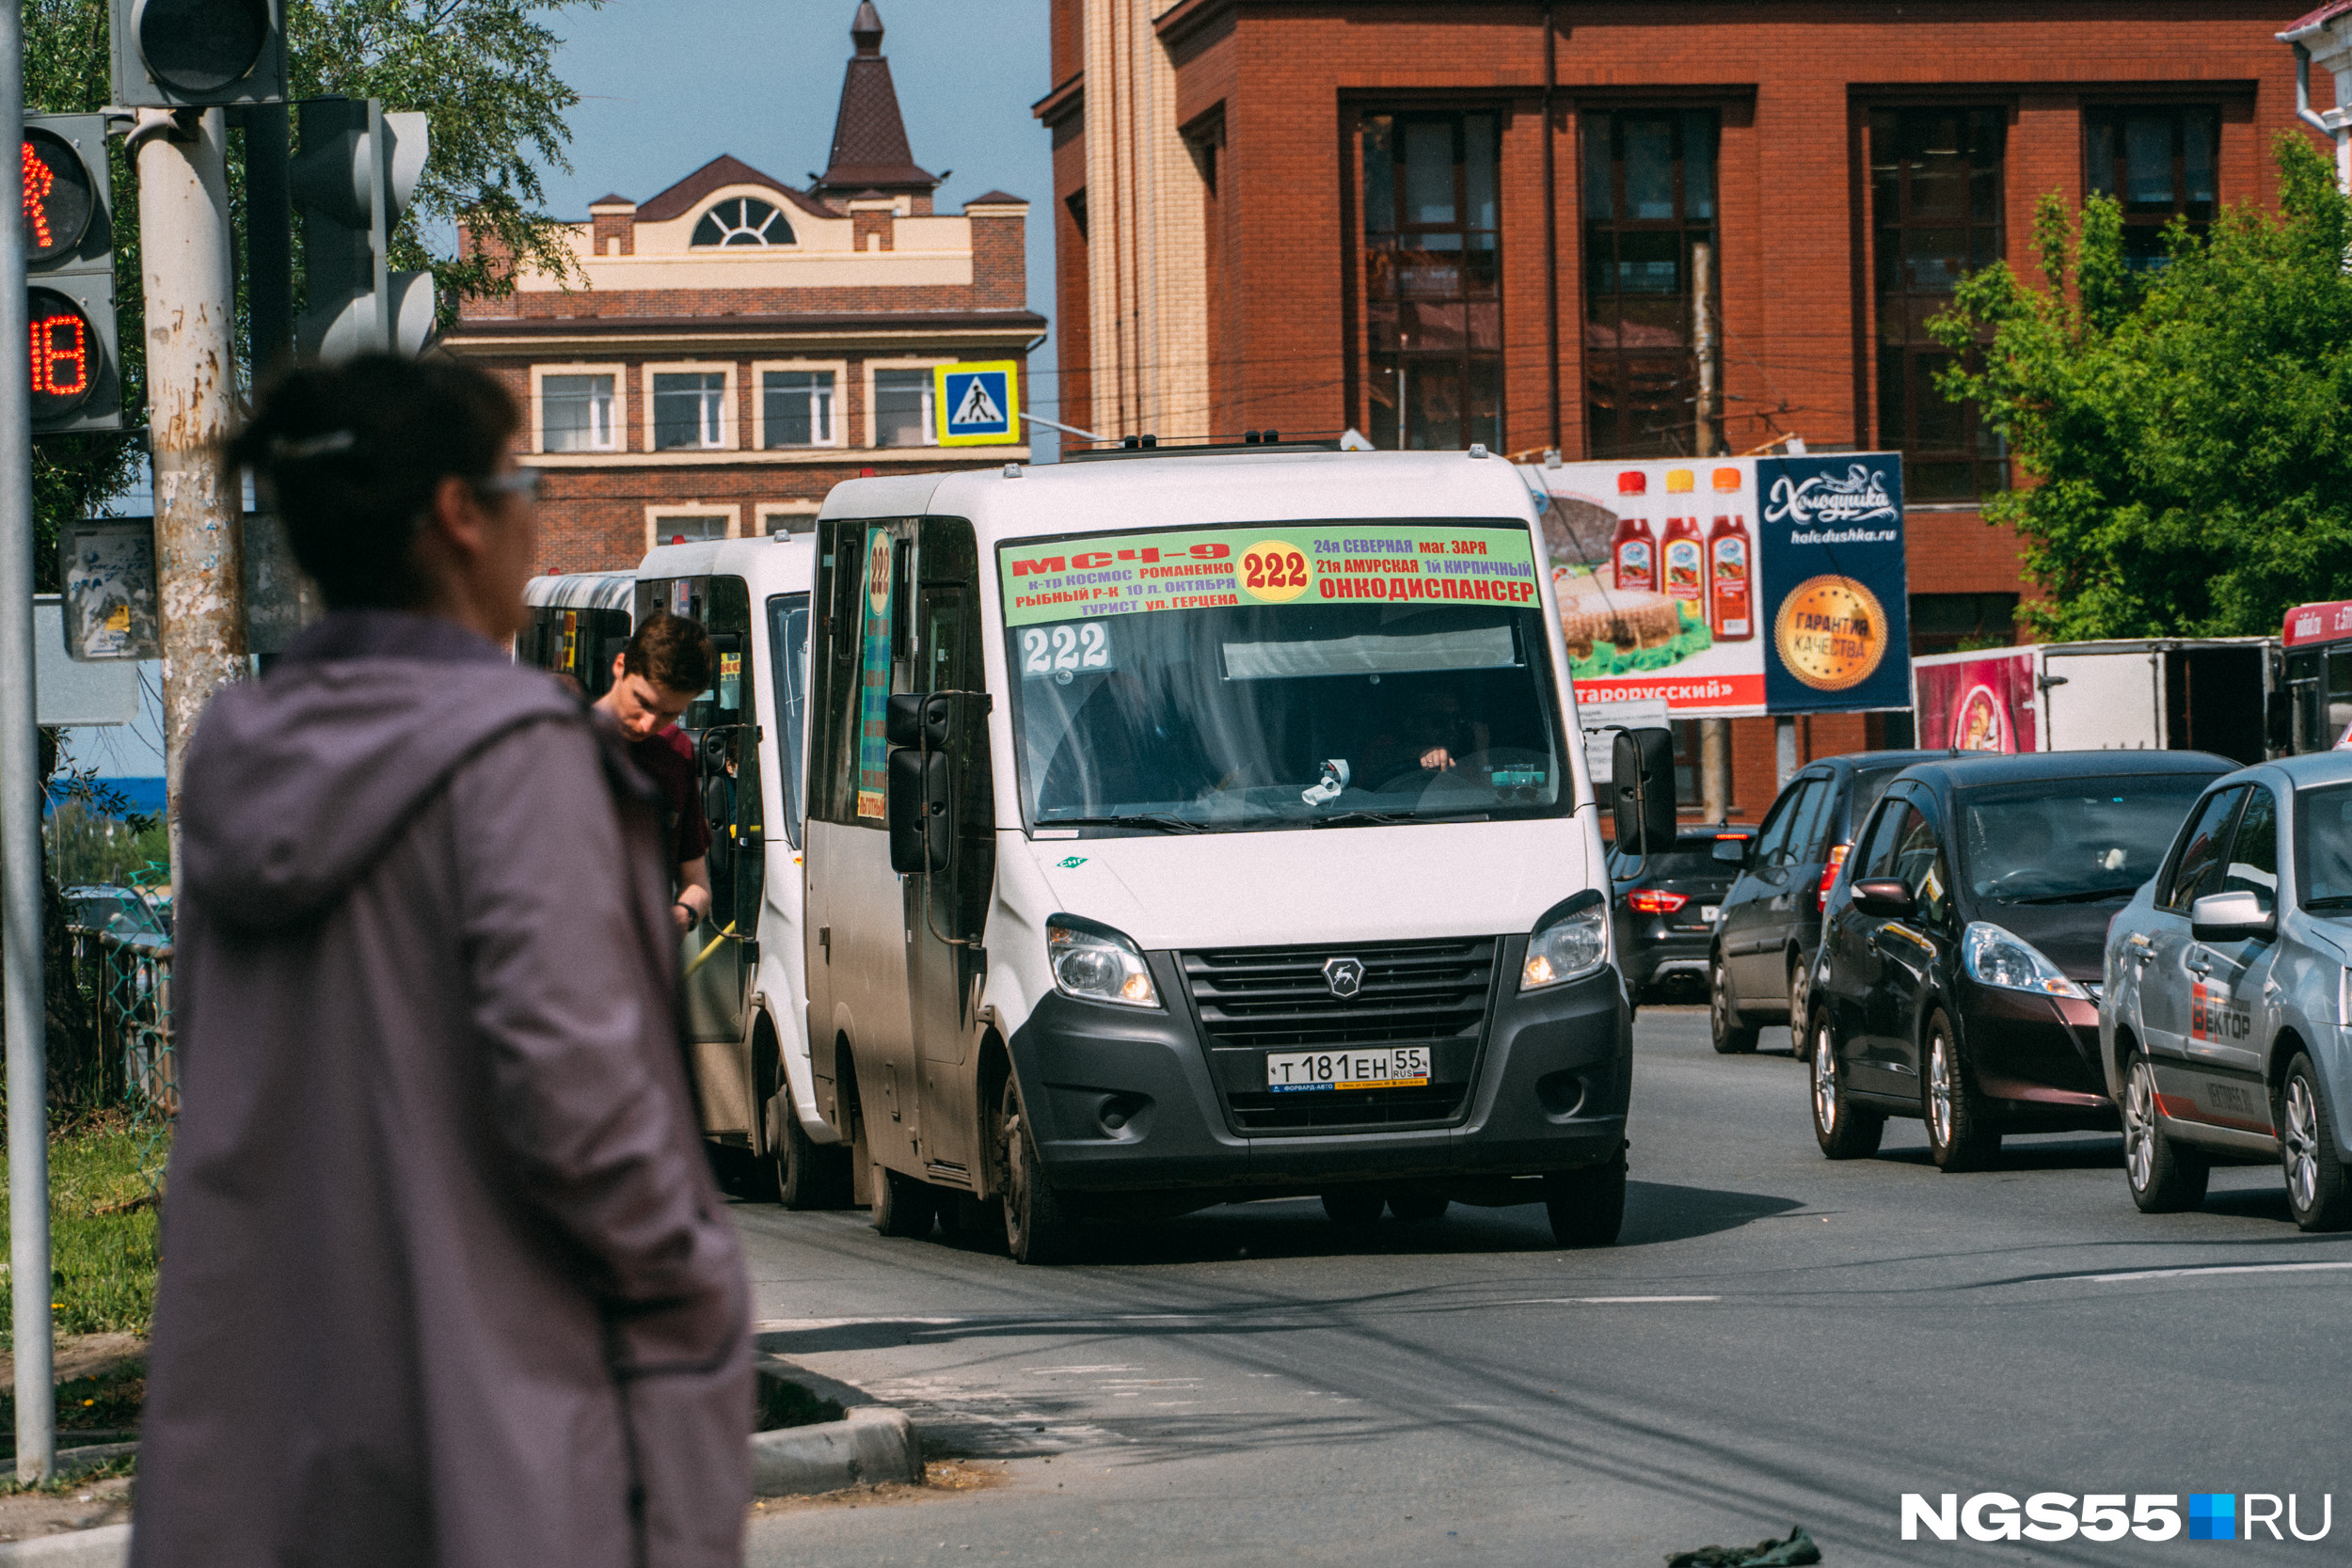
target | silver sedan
[{"x": 2223, "y": 1021}]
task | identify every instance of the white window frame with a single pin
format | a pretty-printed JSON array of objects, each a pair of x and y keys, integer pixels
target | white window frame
[
  {"x": 873, "y": 419},
  {"x": 655, "y": 510},
  {"x": 840, "y": 369},
  {"x": 620, "y": 398},
  {"x": 797, "y": 517},
  {"x": 730, "y": 422}
]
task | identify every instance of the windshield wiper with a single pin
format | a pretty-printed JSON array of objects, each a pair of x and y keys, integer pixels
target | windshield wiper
[
  {"x": 2089, "y": 896},
  {"x": 1392, "y": 818},
  {"x": 2332, "y": 901},
  {"x": 1168, "y": 822}
]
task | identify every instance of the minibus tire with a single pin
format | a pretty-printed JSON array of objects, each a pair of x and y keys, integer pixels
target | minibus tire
[
  {"x": 800, "y": 1183},
  {"x": 1037, "y": 1228},
  {"x": 1587, "y": 1207},
  {"x": 903, "y": 1205}
]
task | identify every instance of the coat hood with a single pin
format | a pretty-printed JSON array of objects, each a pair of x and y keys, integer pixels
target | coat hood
[{"x": 295, "y": 783}]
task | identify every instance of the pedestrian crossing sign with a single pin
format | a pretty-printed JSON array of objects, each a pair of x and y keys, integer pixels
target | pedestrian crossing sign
[{"x": 978, "y": 404}]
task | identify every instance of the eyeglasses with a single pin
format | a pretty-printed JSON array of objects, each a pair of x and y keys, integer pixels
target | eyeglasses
[{"x": 526, "y": 483}]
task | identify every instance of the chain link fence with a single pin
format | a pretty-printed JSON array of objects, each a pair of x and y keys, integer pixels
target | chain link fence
[{"x": 123, "y": 1054}]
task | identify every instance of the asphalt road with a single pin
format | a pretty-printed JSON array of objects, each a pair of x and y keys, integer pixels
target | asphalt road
[{"x": 1775, "y": 1340}]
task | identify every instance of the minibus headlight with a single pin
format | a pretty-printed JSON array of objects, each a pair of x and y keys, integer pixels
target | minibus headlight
[
  {"x": 1570, "y": 942},
  {"x": 1095, "y": 963}
]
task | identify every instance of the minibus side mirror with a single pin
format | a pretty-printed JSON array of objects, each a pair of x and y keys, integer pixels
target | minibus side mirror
[
  {"x": 921, "y": 811},
  {"x": 923, "y": 719},
  {"x": 1642, "y": 778}
]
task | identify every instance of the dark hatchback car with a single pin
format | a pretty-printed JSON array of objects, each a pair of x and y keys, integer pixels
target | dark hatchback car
[
  {"x": 1772, "y": 918},
  {"x": 1666, "y": 903},
  {"x": 1961, "y": 951}
]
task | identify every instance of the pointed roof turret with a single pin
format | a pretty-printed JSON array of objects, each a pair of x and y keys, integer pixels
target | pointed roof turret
[{"x": 870, "y": 136}]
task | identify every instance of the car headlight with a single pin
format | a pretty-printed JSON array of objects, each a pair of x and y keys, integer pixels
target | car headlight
[
  {"x": 1095, "y": 963},
  {"x": 1993, "y": 957},
  {"x": 1570, "y": 942}
]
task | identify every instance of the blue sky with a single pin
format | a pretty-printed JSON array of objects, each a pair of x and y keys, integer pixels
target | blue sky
[{"x": 666, "y": 86}]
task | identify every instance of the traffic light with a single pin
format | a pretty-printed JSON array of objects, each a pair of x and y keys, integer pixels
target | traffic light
[
  {"x": 356, "y": 171},
  {"x": 70, "y": 274},
  {"x": 170, "y": 54}
]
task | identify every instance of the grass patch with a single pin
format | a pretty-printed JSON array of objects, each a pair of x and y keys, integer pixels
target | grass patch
[
  {"x": 67, "y": 1485},
  {"x": 102, "y": 1228}
]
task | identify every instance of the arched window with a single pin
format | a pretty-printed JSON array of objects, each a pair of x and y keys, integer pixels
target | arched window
[{"x": 743, "y": 220}]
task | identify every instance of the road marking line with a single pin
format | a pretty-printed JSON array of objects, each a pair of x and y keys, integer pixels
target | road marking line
[
  {"x": 1594, "y": 1301},
  {"x": 2216, "y": 1268}
]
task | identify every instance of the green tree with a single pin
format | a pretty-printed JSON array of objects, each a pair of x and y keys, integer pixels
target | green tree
[
  {"x": 483, "y": 71},
  {"x": 2182, "y": 435}
]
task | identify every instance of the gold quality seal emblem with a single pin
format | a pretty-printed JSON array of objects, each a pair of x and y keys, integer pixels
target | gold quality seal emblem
[{"x": 1831, "y": 633}]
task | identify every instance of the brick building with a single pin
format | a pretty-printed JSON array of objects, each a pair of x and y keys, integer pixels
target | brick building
[
  {"x": 1464, "y": 222},
  {"x": 738, "y": 345}
]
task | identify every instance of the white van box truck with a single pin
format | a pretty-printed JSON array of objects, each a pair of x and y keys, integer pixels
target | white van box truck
[
  {"x": 2179, "y": 694},
  {"x": 746, "y": 1021},
  {"x": 1197, "y": 829}
]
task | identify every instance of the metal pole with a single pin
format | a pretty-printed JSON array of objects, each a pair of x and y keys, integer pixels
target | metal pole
[
  {"x": 22, "y": 996},
  {"x": 191, "y": 394},
  {"x": 1714, "y": 734}
]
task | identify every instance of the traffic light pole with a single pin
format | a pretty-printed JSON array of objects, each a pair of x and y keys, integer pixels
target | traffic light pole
[
  {"x": 22, "y": 997},
  {"x": 184, "y": 250}
]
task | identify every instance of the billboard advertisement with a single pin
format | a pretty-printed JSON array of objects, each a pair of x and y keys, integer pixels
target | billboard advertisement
[
  {"x": 1980, "y": 702},
  {"x": 1732, "y": 586}
]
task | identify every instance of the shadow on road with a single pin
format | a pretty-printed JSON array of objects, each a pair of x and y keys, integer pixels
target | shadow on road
[{"x": 2096, "y": 1152}]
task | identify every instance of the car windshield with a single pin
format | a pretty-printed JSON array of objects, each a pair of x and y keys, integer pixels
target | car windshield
[
  {"x": 2323, "y": 847},
  {"x": 1214, "y": 679},
  {"x": 2071, "y": 840}
]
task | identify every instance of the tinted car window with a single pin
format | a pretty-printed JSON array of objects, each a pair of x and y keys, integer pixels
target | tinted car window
[
  {"x": 2071, "y": 840},
  {"x": 1808, "y": 840},
  {"x": 2253, "y": 863},
  {"x": 1868, "y": 784},
  {"x": 1919, "y": 864},
  {"x": 2201, "y": 852},
  {"x": 2323, "y": 846},
  {"x": 1886, "y": 834},
  {"x": 1771, "y": 843}
]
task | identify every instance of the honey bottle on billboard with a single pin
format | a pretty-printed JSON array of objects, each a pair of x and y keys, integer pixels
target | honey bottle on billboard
[
  {"x": 1682, "y": 555},
  {"x": 1730, "y": 571},
  {"x": 1633, "y": 553}
]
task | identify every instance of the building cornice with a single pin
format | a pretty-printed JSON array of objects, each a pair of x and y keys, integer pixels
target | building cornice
[
  {"x": 1063, "y": 101},
  {"x": 610, "y": 334}
]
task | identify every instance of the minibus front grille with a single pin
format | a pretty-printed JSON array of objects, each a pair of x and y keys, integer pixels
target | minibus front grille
[
  {"x": 1254, "y": 999},
  {"x": 1278, "y": 998}
]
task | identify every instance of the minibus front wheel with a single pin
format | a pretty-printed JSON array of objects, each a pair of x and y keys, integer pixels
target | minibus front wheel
[{"x": 1038, "y": 1229}]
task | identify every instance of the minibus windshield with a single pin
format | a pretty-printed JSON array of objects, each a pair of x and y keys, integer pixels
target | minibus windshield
[{"x": 1312, "y": 675}]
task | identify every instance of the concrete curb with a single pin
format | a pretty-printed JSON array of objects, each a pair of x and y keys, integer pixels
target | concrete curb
[
  {"x": 107, "y": 1547},
  {"x": 873, "y": 1444}
]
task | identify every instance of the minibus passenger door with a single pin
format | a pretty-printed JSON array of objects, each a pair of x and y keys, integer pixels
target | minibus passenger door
[{"x": 945, "y": 911}]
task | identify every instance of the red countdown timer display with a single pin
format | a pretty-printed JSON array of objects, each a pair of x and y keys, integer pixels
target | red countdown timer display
[
  {"x": 65, "y": 353},
  {"x": 59, "y": 200}
]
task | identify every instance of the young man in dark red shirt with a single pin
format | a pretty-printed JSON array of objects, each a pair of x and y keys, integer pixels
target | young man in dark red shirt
[{"x": 664, "y": 668}]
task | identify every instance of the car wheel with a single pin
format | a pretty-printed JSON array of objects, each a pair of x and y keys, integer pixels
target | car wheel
[
  {"x": 1037, "y": 1227},
  {"x": 1732, "y": 1038},
  {"x": 2166, "y": 1178},
  {"x": 903, "y": 1205},
  {"x": 1418, "y": 1208},
  {"x": 1587, "y": 1207},
  {"x": 1800, "y": 1003},
  {"x": 2317, "y": 1189},
  {"x": 1352, "y": 1206},
  {"x": 1844, "y": 1129},
  {"x": 1959, "y": 1135}
]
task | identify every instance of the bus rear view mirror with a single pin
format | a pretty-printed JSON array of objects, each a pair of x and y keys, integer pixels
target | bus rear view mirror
[
  {"x": 1642, "y": 780},
  {"x": 920, "y": 718},
  {"x": 921, "y": 810}
]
